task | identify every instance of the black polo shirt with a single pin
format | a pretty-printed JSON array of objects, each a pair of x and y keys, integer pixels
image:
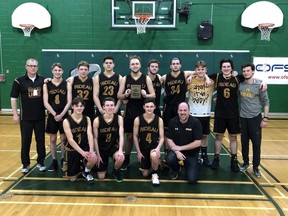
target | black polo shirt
[
  {"x": 183, "y": 134},
  {"x": 31, "y": 97}
]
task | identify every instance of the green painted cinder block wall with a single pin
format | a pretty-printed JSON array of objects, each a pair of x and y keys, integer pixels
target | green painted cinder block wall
[{"x": 87, "y": 25}]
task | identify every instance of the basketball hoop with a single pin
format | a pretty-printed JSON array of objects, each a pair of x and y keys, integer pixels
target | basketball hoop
[
  {"x": 27, "y": 28},
  {"x": 265, "y": 29},
  {"x": 141, "y": 20}
]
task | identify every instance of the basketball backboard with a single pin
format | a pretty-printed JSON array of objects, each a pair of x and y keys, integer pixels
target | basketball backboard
[
  {"x": 262, "y": 12},
  {"x": 163, "y": 13},
  {"x": 30, "y": 15}
]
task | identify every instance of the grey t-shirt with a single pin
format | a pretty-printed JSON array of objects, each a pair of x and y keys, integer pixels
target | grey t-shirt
[{"x": 252, "y": 98}]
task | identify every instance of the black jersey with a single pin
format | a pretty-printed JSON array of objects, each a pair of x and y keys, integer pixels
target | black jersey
[
  {"x": 108, "y": 87},
  {"x": 134, "y": 107},
  {"x": 57, "y": 96},
  {"x": 85, "y": 91},
  {"x": 157, "y": 88},
  {"x": 108, "y": 133},
  {"x": 227, "y": 96},
  {"x": 31, "y": 97},
  {"x": 175, "y": 89},
  {"x": 79, "y": 132},
  {"x": 148, "y": 132}
]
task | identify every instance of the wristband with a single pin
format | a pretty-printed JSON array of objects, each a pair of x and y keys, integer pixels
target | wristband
[{"x": 265, "y": 117}]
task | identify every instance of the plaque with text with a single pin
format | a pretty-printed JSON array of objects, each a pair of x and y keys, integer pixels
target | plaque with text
[{"x": 135, "y": 91}]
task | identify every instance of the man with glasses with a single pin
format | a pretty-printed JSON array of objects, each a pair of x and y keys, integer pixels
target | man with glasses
[{"x": 32, "y": 113}]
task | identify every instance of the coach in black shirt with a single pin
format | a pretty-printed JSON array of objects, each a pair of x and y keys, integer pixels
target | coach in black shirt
[
  {"x": 32, "y": 113},
  {"x": 184, "y": 136}
]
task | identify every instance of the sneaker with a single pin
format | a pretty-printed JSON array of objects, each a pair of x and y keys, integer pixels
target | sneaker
[
  {"x": 62, "y": 161},
  {"x": 25, "y": 169},
  {"x": 53, "y": 167},
  {"x": 234, "y": 166},
  {"x": 88, "y": 177},
  {"x": 205, "y": 161},
  {"x": 174, "y": 174},
  {"x": 244, "y": 167},
  {"x": 155, "y": 179},
  {"x": 125, "y": 164},
  {"x": 117, "y": 175},
  {"x": 215, "y": 163},
  {"x": 257, "y": 173},
  {"x": 41, "y": 167}
]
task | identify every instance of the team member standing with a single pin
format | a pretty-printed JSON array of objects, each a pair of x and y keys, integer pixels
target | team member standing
[
  {"x": 106, "y": 84},
  {"x": 252, "y": 99},
  {"x": 80, "y": 147},
  {"x": 134, "y": 88},
  {"x": 175, "y": 88},
  {"x": 153, "y": 68},
  {"x": 32, "y": 113},
  {"x": 148, "y": 134},
  {"x": 109, "y": 139},
  {"x": 200, "y": 98},
  {"x": 226, "y": 112},
  {"x": 82, "y": 86},
  {"x": 184, "y": 137},
  {"x": 57, "y": 100}
]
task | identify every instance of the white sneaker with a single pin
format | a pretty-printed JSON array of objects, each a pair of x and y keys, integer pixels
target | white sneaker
[
  {"x": 41, "y": 167},
  {"x": 25, "y": 170},
  {"x": 155, "y": 179}
]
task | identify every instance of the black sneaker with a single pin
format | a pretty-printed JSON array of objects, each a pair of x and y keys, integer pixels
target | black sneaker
[
  {"x": 88, "y": 177},
  {"x": 54, "y": 166},
  {"x": 215, "y": 163},
  {"x": 117, "y": 175},
  {"x": 125, "y": 164},
  {"x": 174, "y": 174},
  {"x": 234, "y": 166},
  {"x": 205, "y": 161},
  {"x": 256, "y": 172}
]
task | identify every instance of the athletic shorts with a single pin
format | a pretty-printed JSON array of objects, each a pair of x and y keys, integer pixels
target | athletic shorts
[
  {"x": 128, "y": 124},
  {"x": 75, "y": 162},
  {"x": 231, "y": 124},
  {"x": 205, "y": 122},
  {"x": 169, "y": 112},
  {"x": 157, "y": 112},
  {"x": 146, "y": 162},
  {"x": 105, "y": 159},
  {"x": 52, "y": 126}
]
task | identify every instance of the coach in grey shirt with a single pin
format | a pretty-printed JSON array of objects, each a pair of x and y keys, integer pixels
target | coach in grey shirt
[{"x": 252, "y": 101}]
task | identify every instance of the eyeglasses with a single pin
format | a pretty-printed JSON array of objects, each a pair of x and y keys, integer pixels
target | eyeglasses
[{"x": 35, "y": 66}]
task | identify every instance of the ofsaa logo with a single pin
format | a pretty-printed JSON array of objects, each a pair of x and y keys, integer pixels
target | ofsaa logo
[{"x": 271, "y": 67}]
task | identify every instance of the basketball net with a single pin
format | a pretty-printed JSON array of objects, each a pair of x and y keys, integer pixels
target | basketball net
[
  {"x": 265, "y": 29},
  {"x": 141, "y": 20},
  {"x": 27, "y": 28}
]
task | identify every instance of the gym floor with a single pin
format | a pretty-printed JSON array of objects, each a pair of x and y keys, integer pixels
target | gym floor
[{"x": 219, "y": 192}]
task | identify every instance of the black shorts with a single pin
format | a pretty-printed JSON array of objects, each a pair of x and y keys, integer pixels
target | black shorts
[
  {"x": 105, "y": 159},
  {"x": 128, "y": 124},
  {"x": 75, "y": 162},
  {"x": 157, "y": 112},
  {"x": 169, "y": 112},
  {"x": 205, "y": 122},
  {"x": 52, "y": 126},
  {"x": 146, "y": 162},
  {"x": 231, "y": 124}
]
